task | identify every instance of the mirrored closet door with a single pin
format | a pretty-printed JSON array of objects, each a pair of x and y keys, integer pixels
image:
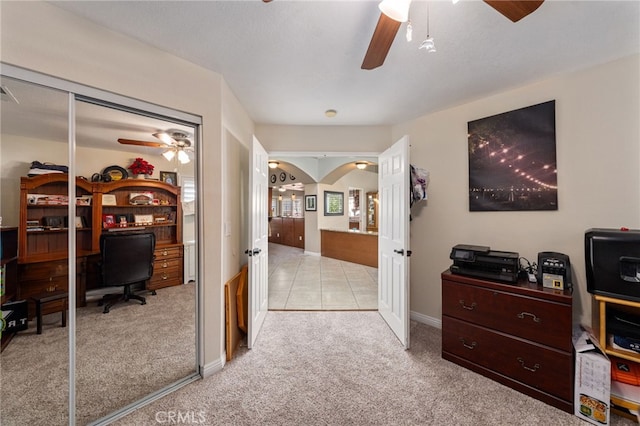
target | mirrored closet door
[{"x": 132, "y": 332}]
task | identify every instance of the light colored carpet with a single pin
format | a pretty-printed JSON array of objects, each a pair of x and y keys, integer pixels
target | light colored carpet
[
  {"x": 347, "y": 368},
  {"x": 121, "y": 356}
]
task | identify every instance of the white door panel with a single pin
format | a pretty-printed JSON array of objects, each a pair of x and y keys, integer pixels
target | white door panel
[
  {"x": 393, "y": 238},
  {"x": 258, "y": 303}
]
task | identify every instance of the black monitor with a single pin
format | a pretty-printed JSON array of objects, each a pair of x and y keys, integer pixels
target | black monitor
[{"x": 612, "y": 260}]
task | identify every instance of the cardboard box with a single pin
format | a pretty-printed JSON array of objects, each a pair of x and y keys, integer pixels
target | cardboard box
[{"x": 592, "y": 387}]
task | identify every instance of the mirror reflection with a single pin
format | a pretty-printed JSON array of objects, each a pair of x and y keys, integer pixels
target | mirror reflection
[
  {"x": 135, "y": 260},
  {"x": 34, "y": 360},
  {"x": 136, "y": 333}
]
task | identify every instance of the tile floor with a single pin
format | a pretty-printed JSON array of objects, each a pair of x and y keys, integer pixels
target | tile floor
[{"x": 303, "y": 282}]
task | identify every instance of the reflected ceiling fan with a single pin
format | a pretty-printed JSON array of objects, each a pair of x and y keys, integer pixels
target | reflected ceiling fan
[
  {"x": 394, "y": 12},
  {"x": 177, "y": 144}
]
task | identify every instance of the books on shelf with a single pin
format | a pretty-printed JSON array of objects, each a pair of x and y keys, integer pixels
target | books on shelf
[{"x": 47, "y": 199}]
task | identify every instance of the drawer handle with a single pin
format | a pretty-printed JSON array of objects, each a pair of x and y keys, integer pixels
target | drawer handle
[
  {"x": 534, "y": 368},
  {"x": 164, "y": 276},
  {"x": 471, "y": 346},
  {"x": 164, "y": 253},
  {"x": 468, "y": 308},
  {"x": 535, "y": 318},
  {"x": 165, "y": 264}
]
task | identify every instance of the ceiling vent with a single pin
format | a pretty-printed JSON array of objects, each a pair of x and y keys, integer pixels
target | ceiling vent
[{"x": 6, "y": 95}]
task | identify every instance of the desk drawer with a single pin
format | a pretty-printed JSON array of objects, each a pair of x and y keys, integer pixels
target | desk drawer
[
  {"x": 541, "y": 321},
  {"x": 164, "y": 264},
  {"x": 538, "y": 366},
  {"x": 168, "y": 252},
  {"x": 52, "y": 268},
  {"x": 40, "y": 270},
  {"x": 33, "y": 287},
  {"x": 166, "y": 277}
]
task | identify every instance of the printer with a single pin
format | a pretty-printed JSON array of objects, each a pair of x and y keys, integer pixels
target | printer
[{"x": 482, "y": 262}]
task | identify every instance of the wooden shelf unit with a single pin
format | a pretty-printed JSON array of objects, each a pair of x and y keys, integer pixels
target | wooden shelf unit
[
  {"x": 166, "y": 233},
  {"x": 50, "y": 244},
  {"x": 600, "y": 322},
  {"x": 516, "y": 334}
]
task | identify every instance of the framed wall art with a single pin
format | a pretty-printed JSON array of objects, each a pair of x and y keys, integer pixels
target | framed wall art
[
  {"x": 310, "y": 203},
  {"x": 333, "y": 203},
  {"x": 512, "y": 160}
]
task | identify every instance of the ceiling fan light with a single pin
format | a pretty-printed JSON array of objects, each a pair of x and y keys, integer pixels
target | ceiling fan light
[
  {"x": 169, "y": 154},
  {"x": 398, "y": 10},
  {"x": 183, "y": 157},
  {"x": 428, "y": 45},
  {"x": 164, "y": 137},
  {"x": 273, "y": 164},
  {"x": 361, "y": 165}
]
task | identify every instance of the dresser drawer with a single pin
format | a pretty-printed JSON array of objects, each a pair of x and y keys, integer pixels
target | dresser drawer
[
  {"x": 540, "y": 367},
  {"x": 541, "y": 321}
]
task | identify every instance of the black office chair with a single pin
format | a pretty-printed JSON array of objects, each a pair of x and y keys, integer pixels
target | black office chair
[{"x": 126, "y": 260}]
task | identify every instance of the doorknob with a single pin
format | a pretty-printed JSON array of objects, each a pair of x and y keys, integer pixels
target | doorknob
[
  {"x": 401, "y": 251},
  {"x": 256, "y": 251}
]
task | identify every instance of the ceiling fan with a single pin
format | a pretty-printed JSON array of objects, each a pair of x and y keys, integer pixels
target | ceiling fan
[
  {"x": 387, "y": 26},
  {"x": 177, "y": 144}
]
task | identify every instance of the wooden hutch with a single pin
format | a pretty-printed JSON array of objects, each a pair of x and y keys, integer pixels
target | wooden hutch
[{"x": 43, "y": 230}]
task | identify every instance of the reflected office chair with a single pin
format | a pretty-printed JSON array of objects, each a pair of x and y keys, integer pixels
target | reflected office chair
[{"x": 126, "y": 259}]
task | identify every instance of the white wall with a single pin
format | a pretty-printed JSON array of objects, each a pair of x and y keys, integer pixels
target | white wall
[
  {"x": 598, "y": 153},
  {"x": 276, "y": 138},
  {"x": 43, "y": 38}
]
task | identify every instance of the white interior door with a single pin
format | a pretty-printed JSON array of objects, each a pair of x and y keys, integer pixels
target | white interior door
[
  {"x": 393, "y": 238},
  {"x": 258, "y": 247}
]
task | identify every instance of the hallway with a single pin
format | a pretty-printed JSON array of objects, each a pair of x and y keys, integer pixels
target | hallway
[{"x": 303, "y": 282}]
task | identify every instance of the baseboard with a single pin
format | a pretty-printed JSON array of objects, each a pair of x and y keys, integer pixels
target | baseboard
[
  {"x": 425, "y": 319},
  {"x": 311, "y": 253},
  {"x": 213, "y": 367}
]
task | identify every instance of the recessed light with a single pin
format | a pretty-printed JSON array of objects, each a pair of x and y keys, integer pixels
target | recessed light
[{"x": 331, "y": 113}]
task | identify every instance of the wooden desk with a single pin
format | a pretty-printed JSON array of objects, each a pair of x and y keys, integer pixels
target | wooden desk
[{"x": 356, "y": 247}]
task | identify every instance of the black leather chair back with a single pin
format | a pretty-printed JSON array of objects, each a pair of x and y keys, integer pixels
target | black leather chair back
[{"x": 126, "y": 258}]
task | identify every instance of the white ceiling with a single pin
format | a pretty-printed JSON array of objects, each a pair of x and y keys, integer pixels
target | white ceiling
[{"x": 289, "y": 61}]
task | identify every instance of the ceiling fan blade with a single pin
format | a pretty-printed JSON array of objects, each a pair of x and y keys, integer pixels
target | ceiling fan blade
[
  {"x": 141, "y": 143},
  {"x": 381, "y": 41},
  {"x": 515, "y": 10}
]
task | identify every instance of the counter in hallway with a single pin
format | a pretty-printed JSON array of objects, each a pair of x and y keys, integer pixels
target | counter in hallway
[{"x": 356, "y": 247}]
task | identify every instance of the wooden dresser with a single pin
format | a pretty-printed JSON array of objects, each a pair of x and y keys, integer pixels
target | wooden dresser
[{"x": 517, "y": 334}]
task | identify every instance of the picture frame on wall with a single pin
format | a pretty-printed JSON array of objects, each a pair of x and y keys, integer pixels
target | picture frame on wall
[
  {"x": 333, "y": 203},
  {"x": 512, "y": 160},
  {"x": 169, "y": 177},
  {"x": 310, "y": 204}
]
